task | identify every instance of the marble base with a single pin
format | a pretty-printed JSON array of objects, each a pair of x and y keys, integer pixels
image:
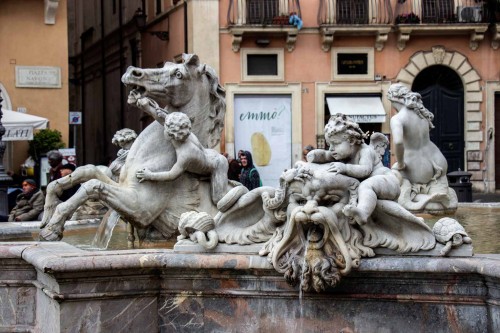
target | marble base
[
  {"x": 187, "y": 246},
  {"x": 55, "y": 287}
]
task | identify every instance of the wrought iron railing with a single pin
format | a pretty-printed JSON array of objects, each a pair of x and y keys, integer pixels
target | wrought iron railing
[
  {"x": 262, "y": 12},
  {"x": 444, "y": 11},
  {"x": 354, "y": 12}
]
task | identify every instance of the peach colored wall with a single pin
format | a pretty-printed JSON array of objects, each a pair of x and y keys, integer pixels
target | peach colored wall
[
  {"x": 308, "y": 64},
  {"x": 27, "y": 41},
  {"x": 156, "y": 51}
]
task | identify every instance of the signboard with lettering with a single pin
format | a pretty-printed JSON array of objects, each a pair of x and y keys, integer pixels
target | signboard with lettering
[
  {"x": 18, "y": 133},
  {"x": 263, "y": 126},
  {"x": 69, "y": 155},
  {"x": 352, "y": 63},
  {"x": 38, "y": 77}
]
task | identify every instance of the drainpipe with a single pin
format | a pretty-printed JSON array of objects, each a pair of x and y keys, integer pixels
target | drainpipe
[
  {"x": 185, "y": 27},
  {"x": 83, "y": 38},
  {"x": 489, "y": 137},
  {"x": 103, "y": 81},
  {"x": 122, "y": 91}
]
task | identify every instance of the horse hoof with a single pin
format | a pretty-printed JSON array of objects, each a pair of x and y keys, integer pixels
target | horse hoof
[{"x": 50, "y": 235}]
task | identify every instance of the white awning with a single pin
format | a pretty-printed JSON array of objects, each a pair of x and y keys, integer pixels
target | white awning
[
  {"x": 361, "y": 109},
  {"x": 19, "y": 126}
]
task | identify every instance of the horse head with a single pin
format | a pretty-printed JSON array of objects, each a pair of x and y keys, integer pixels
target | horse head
[{"x": 188, "y": 87}]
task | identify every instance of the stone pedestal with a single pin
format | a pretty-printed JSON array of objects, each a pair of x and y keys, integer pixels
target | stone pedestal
[{"x": 55, "y": 287}]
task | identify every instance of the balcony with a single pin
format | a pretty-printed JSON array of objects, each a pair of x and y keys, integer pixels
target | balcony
[
  {"x": 443, "y": 17},
  {"x": 354, "y": 18},
  {"x": 257, "y": 18}
]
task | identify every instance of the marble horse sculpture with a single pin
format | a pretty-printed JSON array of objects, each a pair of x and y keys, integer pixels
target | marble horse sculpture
[
  {"x": 421, "y": 166},
  {"x": 189, "y": 87}
]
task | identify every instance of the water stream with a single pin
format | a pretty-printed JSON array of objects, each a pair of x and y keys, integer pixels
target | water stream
[{"x": 105, "y": 230}]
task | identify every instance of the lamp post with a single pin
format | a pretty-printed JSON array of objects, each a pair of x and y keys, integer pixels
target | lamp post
[
  {"x": 5, "y": 179},
  {"x": 140, "y": 22}
]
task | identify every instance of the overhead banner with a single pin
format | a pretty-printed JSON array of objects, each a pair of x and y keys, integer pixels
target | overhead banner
[{"x": 263, "y": 126}]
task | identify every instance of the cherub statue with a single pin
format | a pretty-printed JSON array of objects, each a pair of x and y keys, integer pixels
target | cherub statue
[
  {"x": 191, "y": 157},
  {"x": 350, "y": 156},
  {"x": 421, "y": 165},
  {"x": 124, "y": 139}
]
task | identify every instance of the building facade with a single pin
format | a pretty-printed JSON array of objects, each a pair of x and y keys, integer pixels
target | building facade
[
  {"x": 34, "y": 66},
  {"x": 287, "y": 65}
]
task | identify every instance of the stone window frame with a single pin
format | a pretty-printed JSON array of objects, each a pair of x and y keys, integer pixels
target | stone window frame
[
  {"x": 323, "y": 89},
  {"x": 262, "y": 78},
  {"x": 293, "y": 89},
  {"x": 370, "y": 51}
]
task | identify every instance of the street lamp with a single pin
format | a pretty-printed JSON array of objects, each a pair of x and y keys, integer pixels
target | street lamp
[
  {"x": 5, "y": 179},
  {"x": 140, "y": 23}
]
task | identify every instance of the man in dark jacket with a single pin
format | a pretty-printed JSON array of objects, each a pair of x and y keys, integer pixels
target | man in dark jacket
[
  {"x": 29, "y": 204},
  {"x": 65, "y": 170},
  {"x": 249, "y": 176}
]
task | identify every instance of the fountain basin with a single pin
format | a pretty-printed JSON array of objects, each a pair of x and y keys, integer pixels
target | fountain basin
[{"x": 56, "y": 287}]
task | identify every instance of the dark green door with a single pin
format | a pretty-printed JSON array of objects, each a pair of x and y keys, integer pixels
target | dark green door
[{"x": 443, "y": 94}]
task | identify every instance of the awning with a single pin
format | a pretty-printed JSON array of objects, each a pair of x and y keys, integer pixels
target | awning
[
  {"x": 19, "y": 126},
  {"x": 361, "y": 109}
]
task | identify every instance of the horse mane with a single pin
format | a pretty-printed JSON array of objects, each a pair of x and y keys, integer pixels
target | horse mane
[{"x": 217, "y": 105}]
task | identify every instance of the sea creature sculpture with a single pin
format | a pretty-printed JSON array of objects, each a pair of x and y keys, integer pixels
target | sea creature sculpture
[
  {"x": 451, "y": 233},
  {"x": 188, "y": 87},
  {"x": 199, "y": 228}
]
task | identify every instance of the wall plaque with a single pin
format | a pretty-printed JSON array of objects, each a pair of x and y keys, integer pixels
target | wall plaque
[
  {"x": 352, "y": 63},
  {"x": 38, "y": 77}
]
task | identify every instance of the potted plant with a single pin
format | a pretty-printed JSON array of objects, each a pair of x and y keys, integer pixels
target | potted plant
[
  {"x": 410, "y": 18},
  {"x": 45, "y": 141}
]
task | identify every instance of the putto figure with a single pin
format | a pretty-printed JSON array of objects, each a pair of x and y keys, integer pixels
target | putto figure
[
  {"x": 420, "y": 164},
  {"x": 191, "y": 157}
]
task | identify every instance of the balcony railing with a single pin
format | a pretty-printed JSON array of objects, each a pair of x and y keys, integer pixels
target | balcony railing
[
  {"x": 443, "y": 12},
  {"x": 354, "y": 12},
  {"x": 262, "y": 12}
]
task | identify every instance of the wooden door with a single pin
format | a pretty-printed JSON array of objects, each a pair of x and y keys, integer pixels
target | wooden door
[{"x": 443, "y": 95}]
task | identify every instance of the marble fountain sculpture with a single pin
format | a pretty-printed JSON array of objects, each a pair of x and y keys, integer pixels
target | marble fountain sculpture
[
  {"x": 268, "y": 259},
  {"x": 327, "y": 213}
]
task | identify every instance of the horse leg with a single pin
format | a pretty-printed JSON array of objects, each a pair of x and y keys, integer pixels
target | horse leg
[
  {"x": 80, "y": 175},
  {"x": 131, "y": 236},
  {"x": 219, "y": 181},
  {"x": 123, "y": 200}
]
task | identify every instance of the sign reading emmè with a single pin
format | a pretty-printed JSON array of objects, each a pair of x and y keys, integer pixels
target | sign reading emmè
[{"x": 38, "y": 77}]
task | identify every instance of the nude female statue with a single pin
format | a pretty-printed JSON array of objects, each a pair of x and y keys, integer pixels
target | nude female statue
[{"x": 419, "y": 160}]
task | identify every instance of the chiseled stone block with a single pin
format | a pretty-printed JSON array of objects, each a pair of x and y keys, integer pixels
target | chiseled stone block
[
  {"x": 476, "y": 155},
  {"x": 473, "y": 126},
  {"x": 476, "y": 175},
  {"x": 473, "y": 166}
]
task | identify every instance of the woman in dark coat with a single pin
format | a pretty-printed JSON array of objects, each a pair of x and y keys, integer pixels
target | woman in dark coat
[{"x": 249, "y": 177}]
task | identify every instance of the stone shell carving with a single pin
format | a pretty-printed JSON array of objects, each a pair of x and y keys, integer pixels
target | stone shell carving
[{"x": 199, "y": 227}]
